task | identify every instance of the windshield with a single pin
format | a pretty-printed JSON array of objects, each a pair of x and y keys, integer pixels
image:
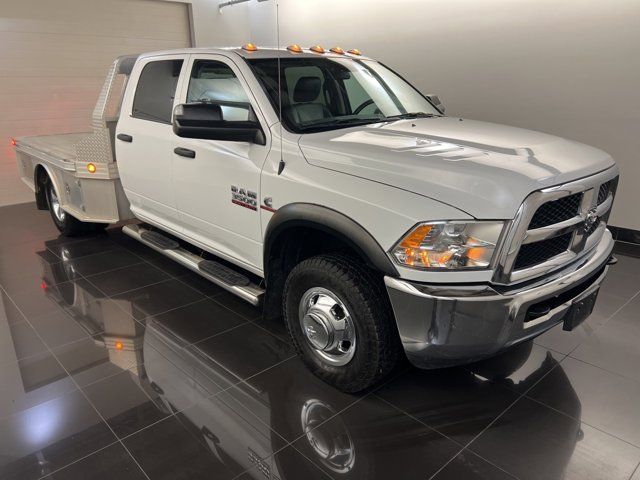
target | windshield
[{"x": 328, "y": 93}]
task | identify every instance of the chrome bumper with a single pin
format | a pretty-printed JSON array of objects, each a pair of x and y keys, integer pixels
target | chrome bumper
[{"x": 444, "y": 325}]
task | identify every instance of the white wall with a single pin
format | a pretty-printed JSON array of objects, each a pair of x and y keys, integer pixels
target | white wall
[
  {"x": 219, "y": 28},
  {"x": 571, "y": 67}
]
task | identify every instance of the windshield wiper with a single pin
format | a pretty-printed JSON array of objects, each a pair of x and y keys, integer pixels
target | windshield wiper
[
  {"x": 404, "y": 116},
  {"x": 343, "y": 122}
]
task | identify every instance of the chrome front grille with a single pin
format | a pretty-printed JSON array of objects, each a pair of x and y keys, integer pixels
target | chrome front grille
[
  {"x": 605, "y": 189},
  {"x": 555, "y": 226},
  {"x": 538, "y": 252},
  {"x": 556, "y": 211}
]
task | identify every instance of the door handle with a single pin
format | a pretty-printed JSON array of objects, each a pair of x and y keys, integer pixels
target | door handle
[
  {"x": 184, "y": 152},
  {"x": 124, "y": 137}
]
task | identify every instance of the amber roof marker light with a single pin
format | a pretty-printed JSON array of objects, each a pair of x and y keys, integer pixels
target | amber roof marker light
[
  {"x": 249, "y": 47},
  {"x": 354, "y": 51},
  {"x": 317, "y": 49},
  {"x": 295, "y": 48},
  {"x": 337, "y": 50}
]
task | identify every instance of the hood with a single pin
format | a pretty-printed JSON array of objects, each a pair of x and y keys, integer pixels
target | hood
[{"x": 482, "y": 168}]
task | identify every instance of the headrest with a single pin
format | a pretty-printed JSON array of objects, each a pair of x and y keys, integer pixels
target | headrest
[{"x": 306, "y": 90}]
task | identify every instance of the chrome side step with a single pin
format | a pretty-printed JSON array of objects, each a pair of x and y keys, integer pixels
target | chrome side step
[{"x": 249, "y": 292}]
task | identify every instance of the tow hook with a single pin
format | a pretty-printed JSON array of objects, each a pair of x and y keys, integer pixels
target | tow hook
[{"x": 612, "y": 260}]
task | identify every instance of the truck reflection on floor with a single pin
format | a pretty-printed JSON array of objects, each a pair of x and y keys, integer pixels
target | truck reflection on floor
[{"x": 243, "y": 422}]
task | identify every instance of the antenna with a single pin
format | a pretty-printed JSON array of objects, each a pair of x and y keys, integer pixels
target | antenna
[{"x": 281, "y": 164}]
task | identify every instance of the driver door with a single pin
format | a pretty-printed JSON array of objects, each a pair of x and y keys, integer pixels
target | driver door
[{"x": 217, "y": 182}]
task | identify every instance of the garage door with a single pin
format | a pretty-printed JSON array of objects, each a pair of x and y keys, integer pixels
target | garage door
[{"x": 54, "y": 56}]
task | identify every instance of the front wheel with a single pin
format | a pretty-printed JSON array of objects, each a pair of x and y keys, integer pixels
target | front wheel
[
  {"x": 68, "y": 225},
  {"x": 339, "y": 318}
]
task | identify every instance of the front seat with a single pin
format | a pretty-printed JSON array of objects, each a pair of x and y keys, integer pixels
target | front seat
[{"x": 305, "y": 109}]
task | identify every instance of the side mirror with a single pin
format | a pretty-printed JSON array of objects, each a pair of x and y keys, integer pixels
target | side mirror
[
  {"x": 436, "y": 102},
  {"x": 206, "y": 121}
]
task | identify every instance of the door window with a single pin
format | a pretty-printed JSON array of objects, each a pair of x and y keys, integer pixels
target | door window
[
  {"x": 156, "y": 90},
  {"x": 214, "y": 82}
]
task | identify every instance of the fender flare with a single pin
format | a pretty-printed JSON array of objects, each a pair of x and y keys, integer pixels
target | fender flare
[{"x": 330, "y": 221}]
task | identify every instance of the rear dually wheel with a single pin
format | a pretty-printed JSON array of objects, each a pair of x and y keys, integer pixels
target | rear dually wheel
[{"x": 68, "y": 225}]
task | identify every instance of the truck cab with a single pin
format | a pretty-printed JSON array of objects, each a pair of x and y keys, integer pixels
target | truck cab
[{"x": 321, "y": 185}]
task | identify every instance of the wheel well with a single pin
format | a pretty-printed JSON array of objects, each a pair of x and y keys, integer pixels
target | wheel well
[
  {"x": 292, "y": 246},
  {"x": 39, "y": 181}
]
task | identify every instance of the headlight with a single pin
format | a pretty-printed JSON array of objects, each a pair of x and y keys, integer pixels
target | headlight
[{"x": 449, "y": 245}]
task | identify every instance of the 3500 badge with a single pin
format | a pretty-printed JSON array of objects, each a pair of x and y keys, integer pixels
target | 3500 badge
[{"x": 244, "y": 198}]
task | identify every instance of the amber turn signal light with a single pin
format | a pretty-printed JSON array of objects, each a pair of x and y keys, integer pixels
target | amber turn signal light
[
  {"x": 91, "y": 168},
  {"x": 250, "y": 47}
]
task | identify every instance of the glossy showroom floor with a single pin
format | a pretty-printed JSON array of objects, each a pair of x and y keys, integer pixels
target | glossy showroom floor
[{"x": 115, "y": 363}]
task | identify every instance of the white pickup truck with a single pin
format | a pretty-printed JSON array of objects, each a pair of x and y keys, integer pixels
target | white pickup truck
[{"x": 324, "y": 187}]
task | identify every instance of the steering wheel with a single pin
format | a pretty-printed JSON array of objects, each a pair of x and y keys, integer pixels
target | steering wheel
[{"x": 362, "y": 106}]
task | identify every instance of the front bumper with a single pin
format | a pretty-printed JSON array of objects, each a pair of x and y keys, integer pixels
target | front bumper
[{"x": 444, "y": 325}]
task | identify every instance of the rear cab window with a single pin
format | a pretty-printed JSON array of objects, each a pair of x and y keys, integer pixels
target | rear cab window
[{"x": 156, "y": 90}]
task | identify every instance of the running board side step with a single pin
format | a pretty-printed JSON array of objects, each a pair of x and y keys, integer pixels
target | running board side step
[{"x": 223, "y": 276}]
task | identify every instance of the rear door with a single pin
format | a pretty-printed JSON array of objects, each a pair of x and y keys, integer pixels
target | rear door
[
  {"x": 144, "y": 140},
  {"x": 218, "y": 189}
]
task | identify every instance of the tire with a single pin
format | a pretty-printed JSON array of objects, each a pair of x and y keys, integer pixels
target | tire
[
  {"x": 68, "y": 225},
  {"x": 361, "y": 300}
]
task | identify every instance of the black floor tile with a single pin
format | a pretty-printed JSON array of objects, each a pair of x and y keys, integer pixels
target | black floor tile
[
  {"x": 30, "y": 382},
  {"x": 102, "y": 262},
  {"x": 127, "y": 278},
  {"x": 83, "y": 247},
  {"x": 50, "y": 436},
  {"x": 275, "y": 326},
  {"x": 19, "y": 341},
  {"x": 9, "y": 313},
  {"x": 614, "y": 347},
  {"x": 607, "y": 401},
  {"x": 621, "y": 283},
  {"x": 58, "y": 328},
  {"x": 50, "y": 298},
  {"x": 519, "y": 368},
  {"x": 245, "y": 351},
  {"x": 24, "y": 268},
  {"x": 271, "y": 396},
  {"x": 123, "y": 403},
  {"x": 469, "y": 466},
  {"x": 287, "y": 463},
  {"x": 370, "y": 439},
  {"x": 106, "y": 464},
  {"x": 456, "y": 402},
  {"x": 158, "y": 298},
  {"x": 197, "y": 321},
  {"x": 165, "y": 264},
  {"x": 564, "y": 342},
  {"x": 168, "y": 450},
  {"x": 238, "y": 305},
  {"x": 201, "y": 284},
  {"x": 532, "y": 441}
]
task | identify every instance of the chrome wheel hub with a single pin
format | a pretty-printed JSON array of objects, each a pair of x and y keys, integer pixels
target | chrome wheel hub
[
  {"x": 327, "y": 326},
  {"x": 55, "y": 205}
]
